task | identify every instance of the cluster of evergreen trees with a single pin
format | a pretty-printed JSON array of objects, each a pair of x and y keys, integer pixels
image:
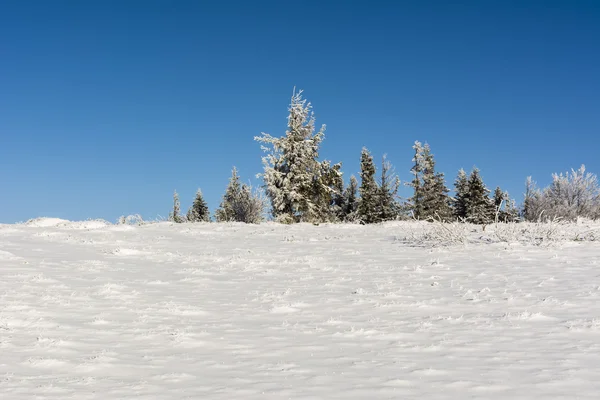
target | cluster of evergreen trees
[{"x": 301, "y": 188}]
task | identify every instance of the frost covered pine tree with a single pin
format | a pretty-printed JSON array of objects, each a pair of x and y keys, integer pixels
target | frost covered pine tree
[
  {"x": 480, "y": 208},
  {"x": 240, "y": 203},
  {"x": 226, "y": 210},
  {"x": 175, "y": 215},
  {"x": 350, "y": 201},
  {"x": 298, "y": 186},
  {"x": 198, "y": 212},
  {"x": 430, "y": 199},
  {"x": 435, "y": 203},
  {"x": 461, "y": 196},
  {"x": 416, "y": 201},
  {"x": 368, "y": 203},
  {"x": 388, "y": 207}
]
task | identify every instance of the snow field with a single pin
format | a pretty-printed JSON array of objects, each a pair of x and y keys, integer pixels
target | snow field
[{"x": 90, "y": 310}]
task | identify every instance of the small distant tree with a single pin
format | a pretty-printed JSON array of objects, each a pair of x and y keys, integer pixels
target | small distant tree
[
  {"x": 416, "y": 201},
  {"x": 480, "y": 208},
  {"x": 240, "y": 203},
  {"x": 198, "y": 212},
  {"x": 388, "y": 207},
  {"x": 461, "y": 196},
  {"x": 226, "y": 210},
  {"x": 435, "y": 200},
  {"x": 430, "y": 199},
  {"x": 350, "y": 201},
  {"x": 368, "y": 203},
  {"x": 175, "y": 215},
  {"x": 533, "y": 202}
]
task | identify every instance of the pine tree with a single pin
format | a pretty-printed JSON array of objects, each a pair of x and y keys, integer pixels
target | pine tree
[
  {"x": 174, "y": 215},
  {"x": 430, "y": 199},
  {"x": 367, "y": 205},
  {"x": 337, "y": 209},
  {"x": 388, "y": 208},
  {"x": 480, "y": 208},
  {"x": 296, "y": 183},
  {"x": 198, "y": 212},
  {"x": 511, "y": 212},
  {"x": 239, "y": 203},
  {"x": 416, "y": 201},
  {"x": 350, "y": 201},
  {"x": 499, "y": 204},
  {"x": 461, "y": 196},
  {"x": 435, "y": 203},
  {"x": 226, "y": 211}
]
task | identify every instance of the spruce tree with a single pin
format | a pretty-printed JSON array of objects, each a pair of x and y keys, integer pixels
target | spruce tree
[
  {"x": 297, "y": 184},
  {"x": 239, "y": 203},
  {"x": 350, "y": 201},
  {"x": 388, "y": 208},
  {"x": 435, "y": 203},
  {"x": 480, "y": 208},
  {"x": 226, "y": 210},
  {"x": 198, "y": 212},
  {"x": 416, "y": 201},
  {"x": 367, "y": 205},
  {"x": 499, "y": 204},
  {"x": 174, "y": 215},
  {"x": 511, "y": 212},
  {"x": 461, "y": 196}
]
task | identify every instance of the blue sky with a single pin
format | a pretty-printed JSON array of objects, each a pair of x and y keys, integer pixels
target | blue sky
[{"x": 106, "y": 106}]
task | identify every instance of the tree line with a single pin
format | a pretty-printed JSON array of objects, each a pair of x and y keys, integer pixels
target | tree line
[{"x": 298, "y": 187}]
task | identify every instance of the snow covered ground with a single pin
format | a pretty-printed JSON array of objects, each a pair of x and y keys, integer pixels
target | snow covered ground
[{"x": 90, "y": 310}]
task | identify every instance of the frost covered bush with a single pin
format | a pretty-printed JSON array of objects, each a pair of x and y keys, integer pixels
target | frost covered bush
[
  {"x": 570, "y": 196},
  {"x": 135, "y": 219}
]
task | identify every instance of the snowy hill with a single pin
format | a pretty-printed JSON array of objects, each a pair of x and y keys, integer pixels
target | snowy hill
[{"x": 91, "y": 310}]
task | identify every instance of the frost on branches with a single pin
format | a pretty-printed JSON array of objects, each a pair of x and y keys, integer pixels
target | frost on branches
[
  {"x": 300, "y": 188},
  {"x": 174, "y": 215},
  {"x": 569, "y": 196},
  {"x": 430, "y": 200},
  {"x": 198, "y": 212},
  {"x": 240, "y": 204}
]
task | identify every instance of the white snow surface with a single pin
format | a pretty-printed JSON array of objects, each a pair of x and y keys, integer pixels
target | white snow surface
[{"x": 90, "y": 310}]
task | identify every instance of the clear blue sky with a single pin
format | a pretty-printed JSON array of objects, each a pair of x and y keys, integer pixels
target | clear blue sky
[{"x": 106, "y": 106}]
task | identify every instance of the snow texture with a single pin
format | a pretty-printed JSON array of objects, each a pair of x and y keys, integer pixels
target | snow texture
[{"x": 91, "y": 310}]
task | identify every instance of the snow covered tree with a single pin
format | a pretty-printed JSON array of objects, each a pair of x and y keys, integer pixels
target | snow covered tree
[
  {"x": 511, "y": 212},
  {"x": 174, "y": 215},
  {"x": 298, "y": 186},
  {"x": 533, "y": 202},
  {"x": 430, "y": 199},
  {"x": 368, "y": 203},
  {"x": 239, "y": 203},
  {"x": 435, "y": 203},
  {"x": 350, "y": 201},
  {"x": 480, "y": 208},
  {"x": 504, "y": 206},
  {"x": 416, "y": 201},
  {"x": 226, "y": 210},
  {"x": 326, "y": 193},
  {"x": 461, "y": 196},
  {"x": 337, "y": 211},
  {"x": 388, "y": 207},
  {"x": 569, "y": 196},
  {"x": 574, "y": 194},
  {"x": 198, "y": 212}
]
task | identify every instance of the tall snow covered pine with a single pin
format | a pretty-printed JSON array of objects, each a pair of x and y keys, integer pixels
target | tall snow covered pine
[
  {"x": 298, "y": 186},
  {"x": 367, "y": 205}
]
